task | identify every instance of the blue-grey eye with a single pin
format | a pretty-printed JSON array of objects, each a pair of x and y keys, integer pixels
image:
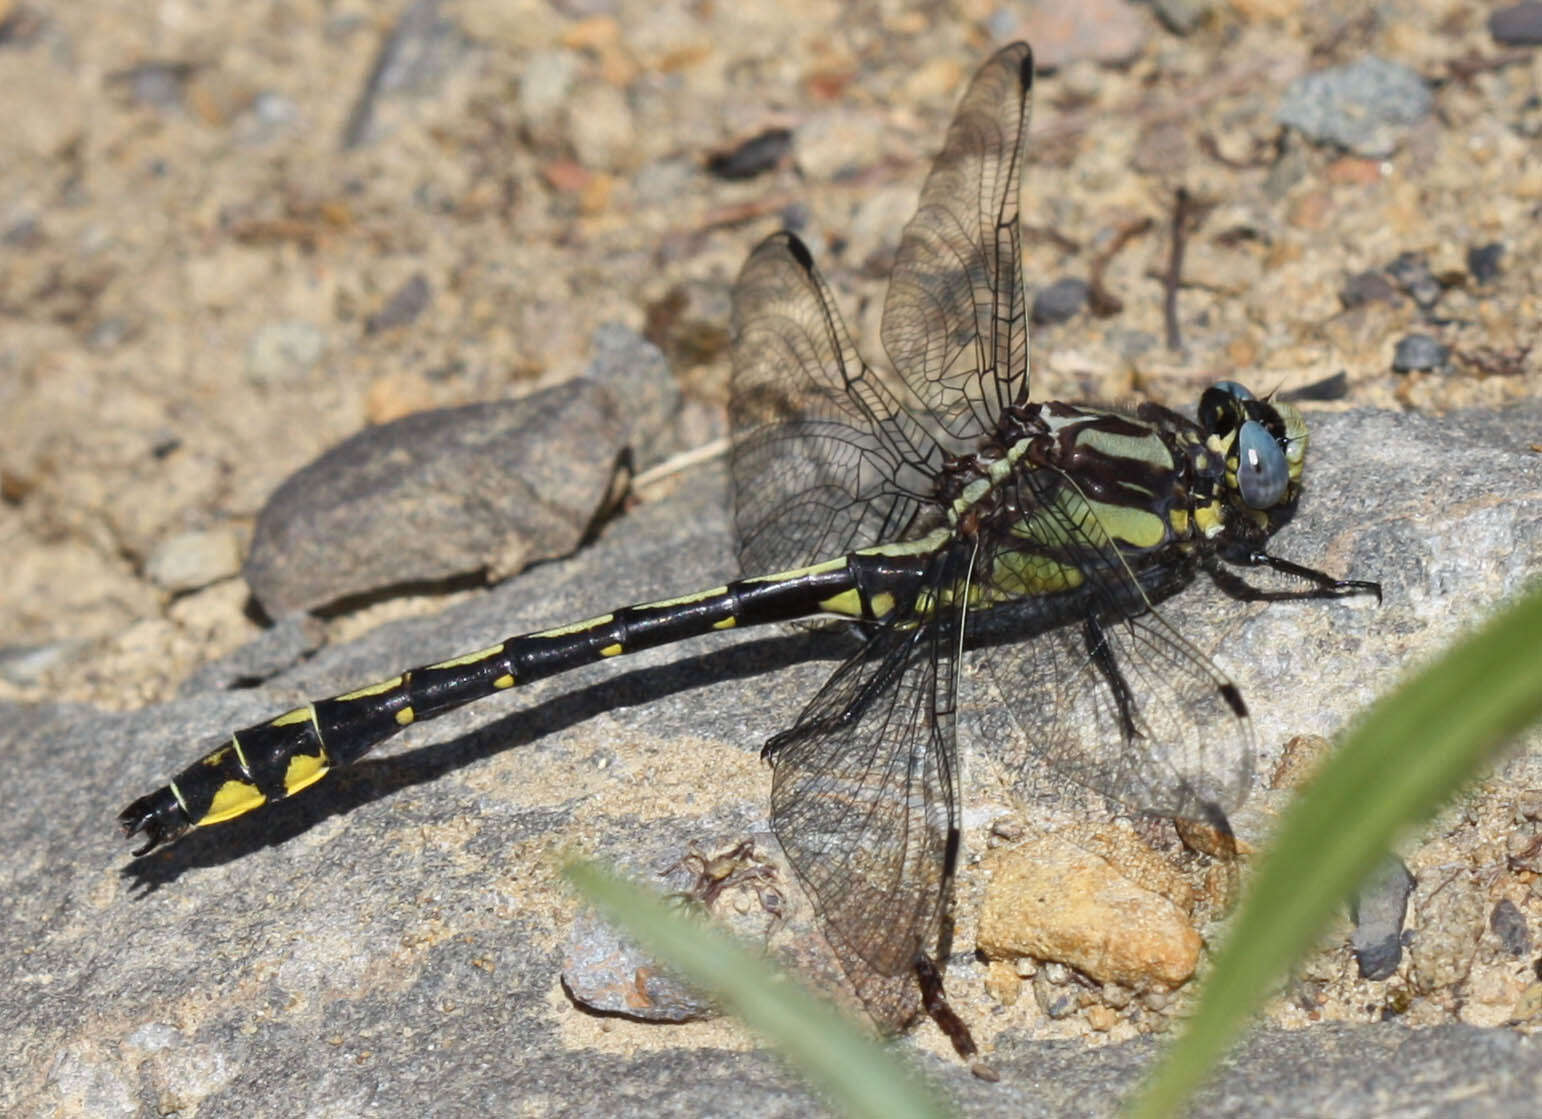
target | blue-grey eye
[
  {"x": 1262, "y": 476},
  {"x": 1232, "y": 388}
]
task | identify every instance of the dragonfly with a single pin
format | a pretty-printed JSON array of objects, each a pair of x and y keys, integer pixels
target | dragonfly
[{"x": 940, "y": 511}]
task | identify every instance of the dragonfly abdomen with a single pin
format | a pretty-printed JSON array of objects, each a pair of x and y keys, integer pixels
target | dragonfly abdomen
[{"x": 277, "y": 758}]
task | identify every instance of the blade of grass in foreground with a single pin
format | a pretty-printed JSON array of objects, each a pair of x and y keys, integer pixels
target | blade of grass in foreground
[
  {"x": 1416, "y": 748},
  {"x": 854, "y": 1072}
]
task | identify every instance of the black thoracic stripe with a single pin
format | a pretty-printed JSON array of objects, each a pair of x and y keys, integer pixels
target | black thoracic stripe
[{"x": 277, "y": 757}]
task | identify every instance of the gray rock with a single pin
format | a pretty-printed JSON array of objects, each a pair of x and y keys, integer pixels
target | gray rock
[
  {"x": 27, "y": 665},
  {"x": 1413, "y": 275},
  {"x": 1378, "y": 909},
  {"x": 391, "y": 939},
  {"x": 754, "y": 156},
  {"x": 1417, "y": 353},
  {"x": 1365, "y": 106},
  {"x": 1519, "y": 25},
  {"x": 1061, "y": 300},
  {"x": 283, "y": 352},
  {"x": 405, "y": 304},
  {"x": 1182, "y": 16},
  {"x": 1367, "y": 287},
  {"x": 439, "y": 494},
  {"x": 1106, "y": 31},
  {"x": 190, "y": 560},
  {"x": 1509, "y": 925},
  {"x": 640, "y": 379},
  {"x": 1483, "y": 261}
]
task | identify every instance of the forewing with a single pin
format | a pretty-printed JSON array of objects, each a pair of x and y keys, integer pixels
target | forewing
[
  {"x": 825, "y": 458},
  {"x": 1105, "y": 690},
  {"x": 865, "y": 804},
  {"x": 953, "y": 321}
]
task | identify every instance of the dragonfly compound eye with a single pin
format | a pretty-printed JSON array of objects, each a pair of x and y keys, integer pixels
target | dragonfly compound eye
[{"x": 1262, "y": 476}]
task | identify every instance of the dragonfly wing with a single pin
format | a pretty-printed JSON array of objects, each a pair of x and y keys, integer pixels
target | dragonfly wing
[
  {"x": 865, "y": 803},
  {"x": 825, "y": 457},
  {"x": 1105, "y": 689},
  {"x": 953, "y": 321}
]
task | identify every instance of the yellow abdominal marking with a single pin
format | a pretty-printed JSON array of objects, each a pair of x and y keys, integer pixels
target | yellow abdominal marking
[
  {"x": 470, "y": 658},
  {"x": 235, "y": 798},
  {"x": 848, "y": 604},
  {"x": 372, "y": 689},
  {"x": 304, "y": 769},
  {"x": 306, "y": 714}
]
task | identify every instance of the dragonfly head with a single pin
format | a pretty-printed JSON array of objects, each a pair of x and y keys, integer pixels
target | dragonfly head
[{"x": 1263, "y": 445}]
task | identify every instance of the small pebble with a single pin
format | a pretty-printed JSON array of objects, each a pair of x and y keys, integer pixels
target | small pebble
[
  {"x": 753, "y": 157},
  {"x": 1061, "y": 300},
  {"x": 1417, "y": 353},
  {"x": 1413, "y": 275},
  {"x": 1335, "y": 386},
  {"x": 405, "y": 304},
  {"x": 1379, "y": 908},
  {"x": 1483, "y": 261},
  {"x": 1182, "y": 16},
  {"x": 1364, "y": 106},
  {"x": 190, "y": 560},
  {"x": 1107, "y": 31},
  {"x": 1519, "y": 25},
  {"x": 281, "y": 353},
  {"x": 1509, "y": 925},
  {"x": 1367, "y": 287}
]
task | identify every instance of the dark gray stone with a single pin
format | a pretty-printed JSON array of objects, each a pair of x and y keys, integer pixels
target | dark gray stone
[
  {"x": 405, "y": 304},
  {"x": 1417, "y": 353},
  {"x": 1365, "y": 106},
  {"x": 1413, "y": 275},
  {"x": 390, "y": 940},
  {"x": 1379, "y": 908},
  {"x": 1182, "y": 16},
  {"x": 755, "y": 156},
  {"x": 438, "y": 495},
  {"x": 1483, "y": 261},
  {"x": 1367, "y": 287},
  {"x": 1509, "y": 925},
  {"x": 1060, "y": 300},
  {"x": 1519, "y": 25}
]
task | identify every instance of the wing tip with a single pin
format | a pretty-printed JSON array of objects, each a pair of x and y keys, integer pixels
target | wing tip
[
  {"x": 1024, "y": 64},
  {"x": 797, "y": 250}
]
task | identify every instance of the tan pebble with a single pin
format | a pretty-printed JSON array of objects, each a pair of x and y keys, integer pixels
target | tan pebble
[
  {"x": 1102, "y": 1018},
  {"x": 1311, "y": 210},
  {"x": 1529, "y": 1004},
  {"x": 1002, "y": 982},
  {"x": 1054, "y": 901},
  {"x": 1299, "y": 761},
  {"x": 1353, "y": 169}
]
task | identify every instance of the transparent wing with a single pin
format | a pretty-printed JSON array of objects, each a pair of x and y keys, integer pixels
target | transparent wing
[
  {"x": 953, "y": 321},
  {"x": 825, "y": 458},
  {"x": 865, "y": 804},
  {"x": 1106, "y": 690}
]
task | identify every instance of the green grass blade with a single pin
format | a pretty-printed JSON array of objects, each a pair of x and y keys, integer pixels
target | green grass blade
[
  {"x": 853, "y": 1071},
  {"x": 1415, "y": 749}
]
